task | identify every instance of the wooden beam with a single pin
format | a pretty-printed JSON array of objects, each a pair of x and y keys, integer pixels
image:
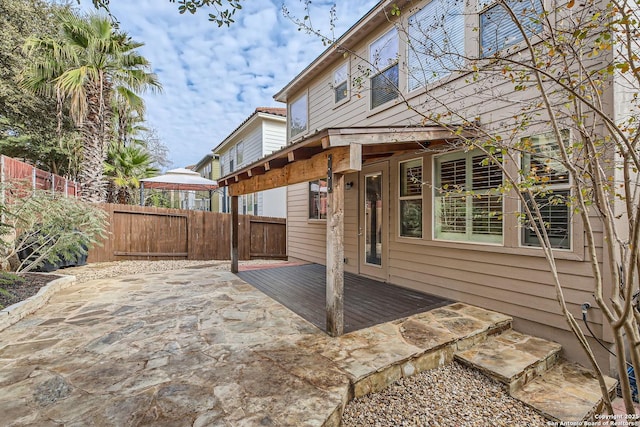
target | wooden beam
[
  {"x": 345, "y": 160},
  {"x": 335, "y": 257},
  {"x": 392, "y": 148},
  {"x": 256, "y": 170},
  {"x": 387, "y": 137},
  {"x": 303, "y": 153},
  {"x": 277, "y": 162},
  {"x": 235, "y": 232}
]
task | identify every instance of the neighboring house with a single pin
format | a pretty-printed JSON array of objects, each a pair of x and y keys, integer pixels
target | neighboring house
[
  {"x": 208, "y": 167},
  {"x": 262, "y": 133},
  {"x": 395, "y": 228}
]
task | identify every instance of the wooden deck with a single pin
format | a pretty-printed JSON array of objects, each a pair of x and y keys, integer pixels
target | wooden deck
[{"x": 367, "y": 302}]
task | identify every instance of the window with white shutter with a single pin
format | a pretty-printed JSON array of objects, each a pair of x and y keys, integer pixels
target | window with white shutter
[
  {"x": 411, "y": 198},
  {"x": 541, "y": 162},
  {"x": 468, "y": 203}
]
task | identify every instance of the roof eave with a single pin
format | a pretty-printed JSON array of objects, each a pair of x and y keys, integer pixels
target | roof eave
[{"x": 248, "y": 121}]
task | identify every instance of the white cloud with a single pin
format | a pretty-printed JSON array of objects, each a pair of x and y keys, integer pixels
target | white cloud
[{"x": 214, "y": 78}]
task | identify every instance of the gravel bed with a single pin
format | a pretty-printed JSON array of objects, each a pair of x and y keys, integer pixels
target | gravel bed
[
  {"x": 102, "y": 270},
  {"x": 449, "y": 396}
]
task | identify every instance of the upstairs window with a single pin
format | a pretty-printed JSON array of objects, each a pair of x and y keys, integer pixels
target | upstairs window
[
  {"x": 541, "y": 162},
  {"x": 298, "y": 116},
  {"x": 411, "y": 198},
  {"x": 232, "y": 158},
  {"x": 498, "y": 30},
  {"x": 436, "y": 42},
  {"x": 239, "y": 153},
  {"x": 383, "y": 57},
  {"x": 340, "y": 84},
  {"x": 318, "y": 199},
  {"x": 468, "y": 205}
]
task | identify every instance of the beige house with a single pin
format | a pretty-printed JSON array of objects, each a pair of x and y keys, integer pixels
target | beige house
[{"x": 359, "y": 156}]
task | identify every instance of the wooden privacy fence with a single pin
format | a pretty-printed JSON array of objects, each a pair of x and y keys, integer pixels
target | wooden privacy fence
[
  {"x": 23, "y": 174},
  {"x": 148, "y": 233}
]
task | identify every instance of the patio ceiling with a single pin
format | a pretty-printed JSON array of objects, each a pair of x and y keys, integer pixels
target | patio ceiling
[{"x": 349, "y": 148}]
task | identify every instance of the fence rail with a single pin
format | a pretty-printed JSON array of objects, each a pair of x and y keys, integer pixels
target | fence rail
[
  {"x": 19, "y": 173},
  {"x": 148, "y": 233}
]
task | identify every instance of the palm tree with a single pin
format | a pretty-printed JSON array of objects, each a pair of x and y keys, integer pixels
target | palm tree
[
  {"x": 125, "y": 167},
  {"x": 88, "y": 65}
]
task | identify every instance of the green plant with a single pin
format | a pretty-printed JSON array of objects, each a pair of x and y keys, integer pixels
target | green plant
[
  {"x": 48, "y": 228},
  {"x": 90, "y": 64},
  {"x": 8, "y": 279}
]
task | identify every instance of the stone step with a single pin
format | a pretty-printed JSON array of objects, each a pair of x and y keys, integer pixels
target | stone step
[
  {"x": 512, "y": 358},
  {"x": 567, "y": 393}
]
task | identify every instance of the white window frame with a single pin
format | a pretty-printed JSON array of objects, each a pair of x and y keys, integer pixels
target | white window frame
[
  {"x": 553, "y": 188},
  {"x": 239, "y": 153},
  {"x": 379, "y": 69},
  {"x": 232, "y": 159},
  {"x": 301, "y": 102},
  {"x": 468, "y": 196},
  {"x": 409, "y": 198},
  {"x": 250, "y": 204},
  {"x": 446, "y": 37},
  {"x": 340, "y": 78},
  {"x": 320, "y": 197},
  {"x": 486, "y": 7}
]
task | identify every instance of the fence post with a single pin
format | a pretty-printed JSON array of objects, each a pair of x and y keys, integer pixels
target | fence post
[
  {"x": 34, "y": 178},
  {"x": 234, "y": 234},
  {"x": 2, "y": 182}
]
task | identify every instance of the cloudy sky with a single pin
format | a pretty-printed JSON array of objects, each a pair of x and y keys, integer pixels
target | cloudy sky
[{"x": 214, "y": 78}]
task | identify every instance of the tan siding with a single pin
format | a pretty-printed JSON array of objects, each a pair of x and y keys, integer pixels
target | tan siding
[
  {"x": 528, "y": 310},
  {"x": 491, "y": 278},
  {"x": 505, "y": 278},
  {"x": 491, "y": 99},
  {"x": 306, "y": 240}
]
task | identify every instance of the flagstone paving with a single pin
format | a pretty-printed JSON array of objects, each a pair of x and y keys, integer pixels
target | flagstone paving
[{"x": 199, "y": 347}]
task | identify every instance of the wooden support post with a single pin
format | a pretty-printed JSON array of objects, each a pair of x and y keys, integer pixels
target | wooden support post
[
  {"x": 335, "y": 257},
  {"x": 234, "y": 234}
]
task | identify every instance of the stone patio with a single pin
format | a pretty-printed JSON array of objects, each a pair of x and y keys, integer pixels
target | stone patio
[{"x": 201, "y": 347}]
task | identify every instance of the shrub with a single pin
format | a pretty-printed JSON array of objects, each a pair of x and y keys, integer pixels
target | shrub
[{"x": 48, "y": 228}]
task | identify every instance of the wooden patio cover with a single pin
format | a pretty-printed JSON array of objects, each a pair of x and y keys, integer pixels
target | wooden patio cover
[{"x": 327, "y": 154}]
